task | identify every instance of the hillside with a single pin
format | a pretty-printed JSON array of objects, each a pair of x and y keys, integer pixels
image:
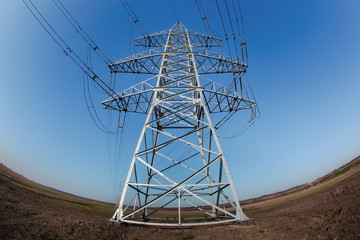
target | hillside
[
  {"x": 328, "y": 208},
  {"x": 304, "y": 186}
]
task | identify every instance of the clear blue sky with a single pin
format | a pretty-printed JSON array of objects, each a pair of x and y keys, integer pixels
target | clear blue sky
[{"x": 304, "y": 67}]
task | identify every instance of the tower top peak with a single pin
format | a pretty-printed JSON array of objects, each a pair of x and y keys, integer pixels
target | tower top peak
[{"x": 178, "y": 26}]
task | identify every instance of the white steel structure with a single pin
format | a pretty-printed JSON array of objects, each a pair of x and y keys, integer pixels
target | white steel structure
[{"x": 178, "y": 174}]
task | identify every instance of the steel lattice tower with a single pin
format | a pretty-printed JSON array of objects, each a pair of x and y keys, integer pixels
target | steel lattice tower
[{"x": 178, "y": 174}]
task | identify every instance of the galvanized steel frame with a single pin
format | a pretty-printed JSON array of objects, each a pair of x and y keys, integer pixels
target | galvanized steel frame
[{"x": 178, "y": 112}]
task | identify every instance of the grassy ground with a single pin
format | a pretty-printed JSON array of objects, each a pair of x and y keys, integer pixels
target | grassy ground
[{"x": 328, "y": 209}]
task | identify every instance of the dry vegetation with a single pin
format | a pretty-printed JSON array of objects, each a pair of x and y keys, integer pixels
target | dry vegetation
[{"x": 328, "y": 208}]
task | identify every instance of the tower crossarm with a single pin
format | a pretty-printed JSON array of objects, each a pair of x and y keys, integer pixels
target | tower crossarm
[
  {"x": 217, "y": 102},
  {"x": 197, "y": 39},
  {"x": 149, "y": 62},
  {"x": 145, "y": 62},
  {"x": 208, "y": 62},
  {"x": 219, "y": 98},
  {"x": 134, "y": 99}
]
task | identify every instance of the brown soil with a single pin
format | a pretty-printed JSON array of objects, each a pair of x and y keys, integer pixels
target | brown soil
[{"x": 328, "y": 208}]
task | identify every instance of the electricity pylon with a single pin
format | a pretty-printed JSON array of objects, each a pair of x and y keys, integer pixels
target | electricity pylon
[{"x": 178, "y": 173}]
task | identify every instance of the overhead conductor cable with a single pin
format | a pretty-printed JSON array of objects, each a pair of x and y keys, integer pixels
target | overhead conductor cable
[
  {"x": 81, "y": 31},
  {"x": 67, "y": 50}
]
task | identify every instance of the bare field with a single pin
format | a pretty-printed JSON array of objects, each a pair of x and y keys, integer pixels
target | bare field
[{"x": 328, "y": 208}]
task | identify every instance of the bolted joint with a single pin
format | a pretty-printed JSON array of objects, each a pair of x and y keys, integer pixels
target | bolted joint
[{"x": 119, "y": 214}]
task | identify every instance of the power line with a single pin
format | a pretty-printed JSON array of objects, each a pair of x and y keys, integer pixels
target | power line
[
  {"x": 203, "y": 16},
  {"x": 131, "y": 37},
  {"x": 66, "y": 48},
  {"x": 85, "y": 67},
  {"x": 243, "y": 31},
  {"x": 81, "y": 31},
  {"x": 237, "y": 76},
  {"x": 227, "y": 41},
  {"x": 90, "y": 105},
  {"x": 223, "y": 26},
  {"x": 232, "y": 29},
  {"x": 133, "y": 17},
  {"x": 88, "y": 100}
]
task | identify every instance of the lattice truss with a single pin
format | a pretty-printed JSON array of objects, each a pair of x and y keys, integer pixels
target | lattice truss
[{"x": 178, "y": 174}]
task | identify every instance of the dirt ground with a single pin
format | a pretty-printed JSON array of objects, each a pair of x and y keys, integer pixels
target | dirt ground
[{"x": 328, "y": 210}]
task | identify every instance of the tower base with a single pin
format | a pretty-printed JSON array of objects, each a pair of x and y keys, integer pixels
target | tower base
[{"x": 244, "y": 222}]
